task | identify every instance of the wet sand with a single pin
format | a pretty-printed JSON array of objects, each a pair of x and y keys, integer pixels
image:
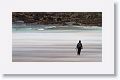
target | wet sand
[{"x": 56, "y": 47}]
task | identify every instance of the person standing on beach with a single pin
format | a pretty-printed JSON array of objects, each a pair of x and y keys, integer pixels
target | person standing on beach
[{"x": 79, "y": 47}]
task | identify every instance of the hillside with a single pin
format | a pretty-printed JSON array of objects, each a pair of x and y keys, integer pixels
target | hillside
[{"x": 61, "y": 18}]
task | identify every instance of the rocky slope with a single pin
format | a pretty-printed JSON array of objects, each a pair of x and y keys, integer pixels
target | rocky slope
[{"x": 60, "y": 18}]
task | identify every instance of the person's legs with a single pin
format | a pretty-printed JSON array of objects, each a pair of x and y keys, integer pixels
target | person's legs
[{"x": 78, "y": 51}]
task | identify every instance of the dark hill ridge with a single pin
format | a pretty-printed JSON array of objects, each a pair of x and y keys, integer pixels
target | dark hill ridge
[{"x": 60, "y": 18}]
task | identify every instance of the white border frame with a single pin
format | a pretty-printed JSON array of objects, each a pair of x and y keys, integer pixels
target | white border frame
[{"x": 104, "y": 67}]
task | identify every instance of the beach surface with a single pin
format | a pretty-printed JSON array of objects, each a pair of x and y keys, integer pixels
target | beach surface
[{"x": 56, "y": 46}]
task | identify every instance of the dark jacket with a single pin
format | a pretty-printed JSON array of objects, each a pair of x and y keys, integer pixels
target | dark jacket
[{"x": 79, "y": 45}]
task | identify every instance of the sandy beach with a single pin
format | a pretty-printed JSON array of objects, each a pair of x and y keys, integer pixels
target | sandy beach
[{"x": 56, "y": 47}]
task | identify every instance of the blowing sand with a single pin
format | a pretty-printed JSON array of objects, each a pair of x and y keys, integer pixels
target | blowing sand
[{"x": 56, "y": 47}]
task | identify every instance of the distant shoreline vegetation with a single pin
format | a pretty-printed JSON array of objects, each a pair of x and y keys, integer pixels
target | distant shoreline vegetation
[{"x": 58, "y": 18}]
